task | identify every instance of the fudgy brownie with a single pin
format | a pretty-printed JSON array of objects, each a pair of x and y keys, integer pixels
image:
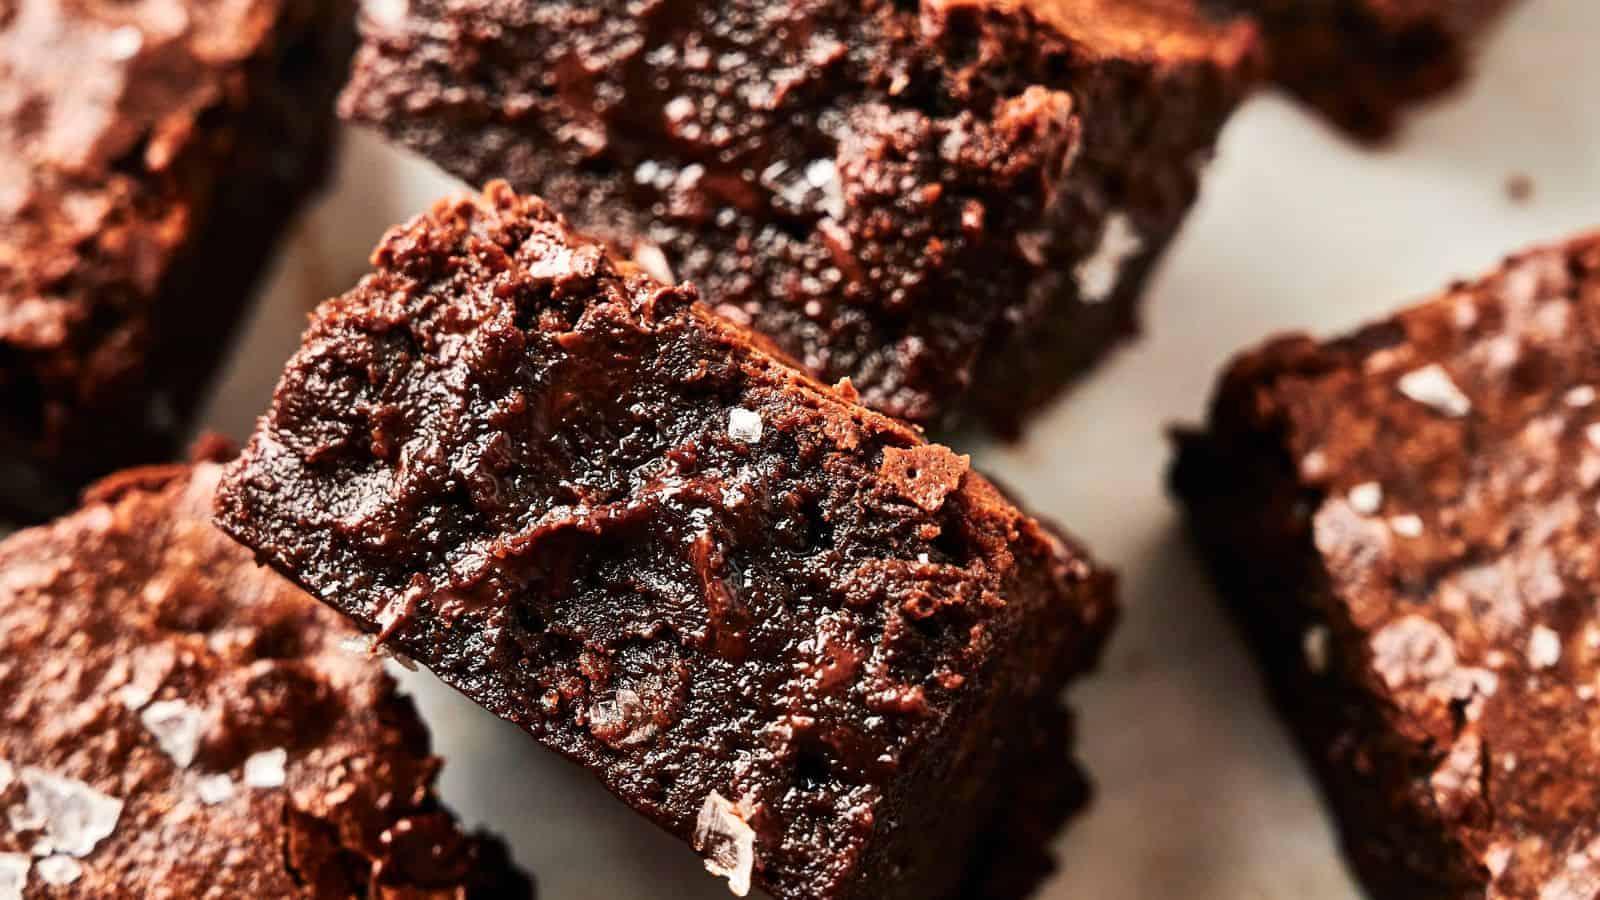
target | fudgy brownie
[
  {"x": 149, "y": 153},
  {"x": 1405, "y": 521},
  {"x": 179, "y": 722},
  {"x": 953, "y": 203},
  {"x": 1362, "y": 62},
  {"x": 777, "y": 623}
]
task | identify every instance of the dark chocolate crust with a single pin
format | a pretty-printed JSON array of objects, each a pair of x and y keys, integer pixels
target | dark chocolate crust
[
  {"x": 199, "y": 715},
  {"x": 1362, "y": 63},
  {"x": 149, "y": 155},
  {"x": 952, "y": 203},
  {"x": 1404, "y": 521},
  {"x": 610, "y": 516}
]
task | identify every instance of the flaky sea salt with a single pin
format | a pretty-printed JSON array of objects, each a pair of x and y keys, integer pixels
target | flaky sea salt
[
  {"x": 1544, "y": 647},
  {"x": 13, "y": 875},
  {"x": 651, "y": 258},
  {"x": 823, "y": 175},
  {"x": 1314, "y": 645},
  {"x": 125, "y": 43},
  {"x": 744, "y": 425},
  {"x": 266, "y": 769},
  {"x": 132, "y": 696},
  {"x": 214, "y": 789},
  {"x": 58, "y": 871},
  {"x": 1580, "y": 396},
  {"x": 1366, "y": 498},
  {"x": 1099, "y": 275},
  {"x": 1431, "y": 386},
  {"x": 177, "y": 727},
  {"x": 386, "y": 14},
  {"x": 74, "y": 816},
  {"x": 727, "y": 842},
  {"x": 1407, "y": 526}
]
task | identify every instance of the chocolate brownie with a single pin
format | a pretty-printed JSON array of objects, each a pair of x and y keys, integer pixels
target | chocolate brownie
[
  {"x": 149, "y": 154},
  {"x": 179, "y": 722},
  {"x": 781, "y": 625},
  {"x": 1405, "y": 521},
  {"x": 1361, "y": 63},
  {"x": 953, "y": 203}
]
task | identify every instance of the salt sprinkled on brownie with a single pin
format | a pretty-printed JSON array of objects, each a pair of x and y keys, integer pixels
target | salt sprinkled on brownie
[
  {"x": 177, "y": 727},
  {"x": 1099, "y": 275},
  {"x": 13, "y": 875},
  {"x": 1431, "y": 386},
  {"x": 744, "y": 425},
  {"x": 75, "y": 817},
  {"x": 1544, "y": 647},
  {"x": 727, "y": 842},
  {"x": 1366, "y": 498},
  {"x": 58, "y": 871},
  {"x": 214, "y": 789},
  {"x": 266, "y": 769}
]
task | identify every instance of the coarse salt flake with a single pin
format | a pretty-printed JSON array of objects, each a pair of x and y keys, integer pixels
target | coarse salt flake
[
  {"x": 1314, "y": 644},
  {"x": 1099, "y": 275},
  {"x": 1544, "y": 647},
  {"x": 58, "y": 871},
  {"x": 75, "y": 817},
  {"x": 726, "y": 841},
  {"x": 266, "y": 769},
  {"x": 177, "y": 727},
  {"x": 214, "y": 789},
  {"x": 744, "y": 425},
  {"x": 1580, "y": 396},
  {"x": 13, "y": 875},
  {"x": 1407, "y": 526},
  {"x": 1432, "y": 387},
  {"x": 1367, "y": 498}
]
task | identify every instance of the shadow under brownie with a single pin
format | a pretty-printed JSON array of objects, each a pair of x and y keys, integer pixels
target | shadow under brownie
[
  {"x": 777, "y": 623},
  {"x": 1404, "y": 521}
]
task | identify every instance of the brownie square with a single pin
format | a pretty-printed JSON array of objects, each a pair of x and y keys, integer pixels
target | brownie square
[
  {"x": 780, "y": 625},
  {"x": 180, "y": 722},
  {"x": 954, "y": 204},
  {"x": 149, "y": 155},
  {"x": 1405, "y": 522},
  {"x": 1362, "y": 63}
]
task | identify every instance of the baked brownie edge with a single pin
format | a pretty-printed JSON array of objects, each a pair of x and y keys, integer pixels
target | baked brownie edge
[{"x": 1401, "y": 521}]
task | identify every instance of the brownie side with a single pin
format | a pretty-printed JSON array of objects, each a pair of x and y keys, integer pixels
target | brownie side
[
  {"x": 148, "y": 162},
  {"x": 1363, "y": 63},
  {"x": 181, "y": 722},
  {"x": 776, "y": 623},
  {"x": 954, "y": 204},
  {"x": 1403, "y": 520}
]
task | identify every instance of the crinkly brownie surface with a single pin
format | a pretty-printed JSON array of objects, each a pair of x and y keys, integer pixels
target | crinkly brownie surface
[
  {"x": 952, "y": 203},
  {"x": 176, "y": 721},
  {"x": 149, "y": 152},
  {"x": 1406, "y": 521},
  {"x": 777, "y": 623}
]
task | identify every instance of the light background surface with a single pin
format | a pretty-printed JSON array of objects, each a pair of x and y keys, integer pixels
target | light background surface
[{"x": 1200, "y": 795}]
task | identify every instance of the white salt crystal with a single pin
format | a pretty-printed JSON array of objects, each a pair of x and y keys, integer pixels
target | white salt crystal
[
  {"x": 58, "y": 870},
  {"x": 1407, "y": 526},
  {"x": 1366, "y": 498},
  {"x": 1099, "y": 275},
  {"x": 744, "y": 425},
  {"x": 1544, "y": 647},
  {"x": 177, "y": 727},
  {"x": 1431, "y": 386},
  {"x": 726, "y": 841},
  {"x": 214, "y": 789},
  {"x": 266, "y": 769},
  {"x": 1582, "y": 395},
  {"x": 75, "y": 816}
]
